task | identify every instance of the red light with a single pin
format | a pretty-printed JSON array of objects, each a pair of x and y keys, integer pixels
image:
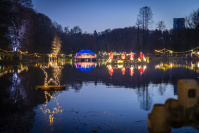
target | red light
[
  {"x": 131, "y": 57},
  {"x": 141, "y": 56},
  {"x": 111, "y": 71},
  {"x": 141, "y": 70},
  {"x": 131, "y": 70},
  {"x": 111, "y": 55},
  {"x": 123, "y": 56},
  {"x": 123, "y": 70}
]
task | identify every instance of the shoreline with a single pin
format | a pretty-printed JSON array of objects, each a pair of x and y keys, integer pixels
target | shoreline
[{"x": 151, "y": 58}]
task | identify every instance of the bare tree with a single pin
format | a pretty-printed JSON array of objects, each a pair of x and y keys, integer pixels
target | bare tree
[
  {"x": 138, "y": 24},
  {"x": 66, "y": 30},
  {"x": 188, "y": 22},
  {"x": 192, "y": 21},
  {"x": 160, "y": 25},
  {"x": 75, "y": 30},
  {"x": 144, "y": 19}
]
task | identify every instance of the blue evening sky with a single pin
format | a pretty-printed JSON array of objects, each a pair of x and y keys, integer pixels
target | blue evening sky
[{"x": 100, "y": 15}]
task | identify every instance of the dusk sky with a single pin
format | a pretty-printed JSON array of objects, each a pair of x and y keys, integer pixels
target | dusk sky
[{"x": 100, "y": 15}]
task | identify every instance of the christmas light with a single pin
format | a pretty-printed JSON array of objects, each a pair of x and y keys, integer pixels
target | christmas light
[
  {"x": 123, "y": 56},
  {"x": 55, "y": 110},
  {"x": 111, "y": 55}
]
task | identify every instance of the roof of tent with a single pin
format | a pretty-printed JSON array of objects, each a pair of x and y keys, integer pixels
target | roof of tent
[{"x": 85, "y": 52}]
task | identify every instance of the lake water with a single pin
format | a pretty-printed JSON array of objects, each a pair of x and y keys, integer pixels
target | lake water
[{"x": 98, "y": 97}]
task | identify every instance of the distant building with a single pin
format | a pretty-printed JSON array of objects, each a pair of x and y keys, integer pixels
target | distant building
[{"x": 178, "y": 23}]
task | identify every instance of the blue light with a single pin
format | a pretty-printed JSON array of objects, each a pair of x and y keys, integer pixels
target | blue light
[
  {"x": 15, "y": 49},
  {"x": 85, "y": 52},
  {"x": 84, "y": 67}
]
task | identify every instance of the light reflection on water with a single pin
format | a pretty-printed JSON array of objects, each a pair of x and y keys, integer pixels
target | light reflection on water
[
  {"x": 85, "y": 66},
  {"x": 114, "y": 98},
  {"x": 105, "y": 108}
]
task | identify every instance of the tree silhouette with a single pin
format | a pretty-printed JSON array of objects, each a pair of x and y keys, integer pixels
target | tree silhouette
[
  {"x": 192, "y": 21},
  {"x": 161, "y": 26},
  {"x": 145, "y": 19}
]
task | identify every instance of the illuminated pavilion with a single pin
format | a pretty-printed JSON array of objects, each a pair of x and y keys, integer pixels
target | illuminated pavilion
[{"x": 86, "y": 55}]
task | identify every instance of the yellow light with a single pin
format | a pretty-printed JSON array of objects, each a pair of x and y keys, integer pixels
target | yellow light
[
  {"x": 109, "y": 66},
  {"x": 55, "y": 110},
  {"x": 171, "y": 65},
  {"x": 192, "y": 66},
  {"x": 119, "y": 66},
  {"x": 120, "y": 61},
  {"x": 157, "y": 66}
]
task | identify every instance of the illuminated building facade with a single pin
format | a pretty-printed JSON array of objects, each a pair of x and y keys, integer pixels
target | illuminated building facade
[{"x": 178, "y": 23}]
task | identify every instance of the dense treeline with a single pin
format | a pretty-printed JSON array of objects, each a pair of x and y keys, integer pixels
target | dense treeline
[{"x": 23, "y": 28}]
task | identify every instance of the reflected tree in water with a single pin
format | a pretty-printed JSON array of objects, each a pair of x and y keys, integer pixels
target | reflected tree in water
[
  {"x": 143, "y": 92},
  {"x": 17, "y": 99},
  {"x": 77, "y": 85},
  {"x": 18, "y": 92},
  {"x": 15, "y": 89},
  {"x": 145, "y": 98},
  {"x": 162, "y": 89}
]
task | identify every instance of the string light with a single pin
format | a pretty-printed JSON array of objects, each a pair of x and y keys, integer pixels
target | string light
[
  {"x": 13, "y": 51},
  {"x": 166, "y": 66},
  {"x": 57, "y": 71},
  {"x": 173, "y": 52},
  {"x": 55, "y": 110},
  {"x": 10, "y": 69}
]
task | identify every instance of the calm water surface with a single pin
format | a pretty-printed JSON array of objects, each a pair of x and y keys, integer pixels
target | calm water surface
[{"x": 98, "y": 97}]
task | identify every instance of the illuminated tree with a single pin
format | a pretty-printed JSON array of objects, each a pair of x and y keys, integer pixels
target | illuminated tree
[
  {"x": 56, "y": 45},
  {"x": 18, "y": 22}
]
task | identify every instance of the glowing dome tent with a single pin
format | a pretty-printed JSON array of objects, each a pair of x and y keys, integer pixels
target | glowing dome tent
[{"x": 85, "y": 54}]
